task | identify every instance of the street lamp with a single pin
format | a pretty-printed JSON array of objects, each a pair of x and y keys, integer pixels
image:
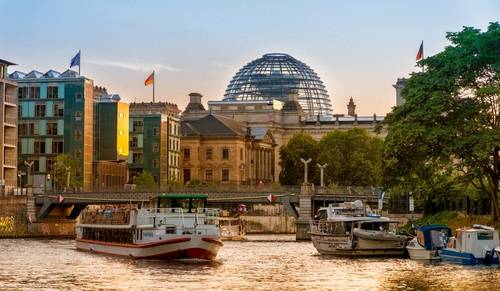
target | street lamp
[
  {"x": 20, "y": 175},
  {"x": 305, "y": 168},
  {"x": 30, "y": 173},
  {"x": 322, "y": 170},
  {"x": 47, "y": 176}
]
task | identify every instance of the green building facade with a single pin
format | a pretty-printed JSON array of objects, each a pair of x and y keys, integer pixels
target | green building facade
[{"x": 55, "y": 116}]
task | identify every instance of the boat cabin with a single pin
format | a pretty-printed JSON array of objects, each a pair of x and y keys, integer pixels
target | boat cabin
[
  {"x": 475, "y": 240},
  {"x": 433, "y": 237},
  {"x": 189, "y": 203}
]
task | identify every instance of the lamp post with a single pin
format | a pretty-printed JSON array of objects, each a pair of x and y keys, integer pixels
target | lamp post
[
  {"x": 306, "y": 162},
  {"x": 29, "y": 165},
  {"x": 47, "y": 178},
  {"x": 322, "y": 170},
  {"x": 68, "y": 168},
  {"x": 20, "y": 175}
]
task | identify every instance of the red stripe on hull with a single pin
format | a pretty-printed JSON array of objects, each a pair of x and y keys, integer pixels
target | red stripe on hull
[
  {"x": 146, "y": 245},
  {"x": 212, "y": 240},
  {"x": 192, "y": 253}
]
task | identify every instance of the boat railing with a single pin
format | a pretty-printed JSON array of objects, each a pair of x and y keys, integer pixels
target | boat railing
[
  {"x": 155, "y": 216},
  {"x": 106, "y": 217},
  {"x": 211, "y": 215},
  {"x": 325, "y": 227}
]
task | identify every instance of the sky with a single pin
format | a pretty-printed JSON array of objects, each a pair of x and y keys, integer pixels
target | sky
[{"x": 358, "y": 48}]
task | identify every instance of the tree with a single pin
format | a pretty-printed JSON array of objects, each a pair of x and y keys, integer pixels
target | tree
[
  {"x": 145, "y": 181},
  {"x": 449, "y": 124},
  {"x": 292, "y": 169},
  {"x": 354, "y": 157},
  {"x": 64, "y": 167}
]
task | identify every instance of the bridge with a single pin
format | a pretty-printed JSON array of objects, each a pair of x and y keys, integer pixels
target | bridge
[{"x": 73, "y": 203}]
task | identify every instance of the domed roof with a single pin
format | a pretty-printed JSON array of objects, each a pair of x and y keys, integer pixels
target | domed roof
[{"x": 274, "y": 76}]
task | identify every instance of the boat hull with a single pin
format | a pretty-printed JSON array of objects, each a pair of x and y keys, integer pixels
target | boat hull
[
  {"x": 185, "y": 247},
  {"x": 451, "y": 256},
  {"x": 422, "y": 254},
  {"x": 340, "y": 246}
]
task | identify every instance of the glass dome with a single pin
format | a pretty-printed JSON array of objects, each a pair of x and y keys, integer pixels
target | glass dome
[{"x": 273, "y": 76}]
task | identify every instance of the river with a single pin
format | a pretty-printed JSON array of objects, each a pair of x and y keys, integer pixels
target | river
[{"x": 262, "y": 263}]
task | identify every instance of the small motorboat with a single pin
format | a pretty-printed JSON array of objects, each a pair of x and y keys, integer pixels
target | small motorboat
[
  {"x": 232, "y": 228},
  {"x": 472, "y": 246},
  {"x": 428, "y": 241}
]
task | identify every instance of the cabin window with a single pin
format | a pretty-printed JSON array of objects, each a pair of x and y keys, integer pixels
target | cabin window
[{"x": 485, "y": 236}]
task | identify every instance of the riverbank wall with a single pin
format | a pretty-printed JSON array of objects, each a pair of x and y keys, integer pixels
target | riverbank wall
[{"x": 18, "y": 220}]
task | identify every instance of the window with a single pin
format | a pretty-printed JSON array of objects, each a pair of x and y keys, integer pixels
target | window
[
  {"x": 156, "y": 147},
  {"x": 35, "y": 92},
  {"x": 51, "y": 128},
  {"x": 36, "y": 165},
  {"x": 209, "y": 175},
  {"x": 156, "y": 131},
  {"x": 40, "y": 110},
  {"x": 241, "y": 154},
  {"x": 225, "y": 154},
  {"x": 208, "y": 154},
  {"x": 19, "y": 110},
  {"x": 78, "y": 153},
  {"x": 156, "y": 164},
  {"x": 137, "y": 158},
  {"x": 22, "y": 93},
  {"x": 78, "y": 115},
  {"x": 134, "y": 142},
  {"x": 187, "y": 154},
  {"x": 137, "y": 126},
  {"x": 50, "y": 165},
  {"x": 225, "y": 175},
  {"x": 26, "y": 128},
  {"x": 58, "y": 110},
  {"x": 39, "y": 147},
  {"x": 57, "y": 147},
  {"x": 78, "y": 134},
  {"x": 52, "y": 92},
  {"x": 78, "y": 97}
]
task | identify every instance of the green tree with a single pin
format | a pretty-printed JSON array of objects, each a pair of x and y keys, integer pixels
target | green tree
[
  {"x": 449, "y": 124},
  {"x": 66, "y": 167},
  {"x": 354, "y": 157},
  {"x": 292, "y": 169},
  {"x": 145, "y": 181}
]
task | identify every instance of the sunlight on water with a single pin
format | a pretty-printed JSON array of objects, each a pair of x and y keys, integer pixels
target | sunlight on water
[{"x": 256, "y": 265}]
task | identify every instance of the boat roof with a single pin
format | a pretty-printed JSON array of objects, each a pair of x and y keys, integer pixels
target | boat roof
[
  {"x": 360, "y": 218},
  {"x": 426, "y": 228},
  {"x": 182, "y": 195}
]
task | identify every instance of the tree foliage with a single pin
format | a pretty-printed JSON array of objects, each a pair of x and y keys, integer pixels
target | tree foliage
[
  {"x": 145, "y": 181},
  {"x": 353, "y": 158},
  {"x": 66, "y": 166},
  {"x": 448, "y": 129}
]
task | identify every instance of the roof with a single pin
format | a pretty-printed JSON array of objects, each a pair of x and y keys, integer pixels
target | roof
[
  {"x": 182, "y": 196},
  {"x": 426, "y": 228},
  {"x": 212, "y": 125},
  {"x": 37, "y": 75},
  {"x": 4, "y": 62}
]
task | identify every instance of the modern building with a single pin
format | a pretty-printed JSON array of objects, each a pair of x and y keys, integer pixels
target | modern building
[
  {"x": 273, "y": 77},
  {"x": 111, "y": 141},
  {"x": 218, "y": 149},
  {"x": 8, "y": 128},
  {"x": 281, "y": 94},
  {"x": 154, "y": 144},
  {"x": 55, "y": 117}
]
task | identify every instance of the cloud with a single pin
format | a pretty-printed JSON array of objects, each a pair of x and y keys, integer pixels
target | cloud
[{"x": 132, "y": 66}]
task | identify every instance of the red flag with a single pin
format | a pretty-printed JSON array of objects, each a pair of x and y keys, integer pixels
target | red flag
[
  {"x": 271, "y": 198},
  {"x": 150, "y": 80},
  {"x": 420, "y": 53}
]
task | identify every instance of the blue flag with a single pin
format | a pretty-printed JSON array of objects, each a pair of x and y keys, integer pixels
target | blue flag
[{"x": 75, "y": 61}]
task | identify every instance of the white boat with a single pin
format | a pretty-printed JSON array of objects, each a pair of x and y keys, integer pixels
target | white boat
[
  {"x": 352, "y": 230},
  {"x": 178, "y": 226},
  {"x": 472, "y": 246},
  {"x": 428, "y": 241},
  {"x": 232, "y": 228}
]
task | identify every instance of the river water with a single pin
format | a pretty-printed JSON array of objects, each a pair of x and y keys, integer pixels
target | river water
[{"x": 262, "y": 263}]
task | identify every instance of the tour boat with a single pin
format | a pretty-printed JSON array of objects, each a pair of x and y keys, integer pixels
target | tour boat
[
  {"x": 231, "y": 228},
  {"x": 178, "y": 226},
  {"x": 352, "y": 230},
  {"x": 472, "y": 246},
  {"x": 428, "y": 241}
]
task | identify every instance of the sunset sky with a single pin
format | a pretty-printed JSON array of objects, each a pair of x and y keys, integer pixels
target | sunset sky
[{"x": 358, "y": 48}]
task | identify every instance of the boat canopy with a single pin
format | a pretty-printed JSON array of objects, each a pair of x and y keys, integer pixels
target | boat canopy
[{"x": 431, "y": 235}]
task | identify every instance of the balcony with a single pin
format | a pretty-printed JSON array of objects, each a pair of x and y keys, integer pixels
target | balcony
[
  {"x": 10, "y": 162},
  {"x": 10, "y": 141},
  {"x": 11, "y": 120},
  {"x": 12, "y": 99}
]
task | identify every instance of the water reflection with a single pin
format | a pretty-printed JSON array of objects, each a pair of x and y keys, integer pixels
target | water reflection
[{"x": 256, "y": 265}]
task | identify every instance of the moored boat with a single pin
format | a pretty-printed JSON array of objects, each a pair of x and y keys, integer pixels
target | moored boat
[
  {"x": 353, "y": 230},
  {"x": 428, "y": 241},
  {"x": 177, "y": 226},
  {"x": 472, "y": 246},
  {"x": 232, "y": 228}
]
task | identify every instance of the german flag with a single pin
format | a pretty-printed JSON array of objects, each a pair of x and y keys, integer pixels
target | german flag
[
  {"x": 420, "y": 53},
  {"x": 150, "y": 80}
]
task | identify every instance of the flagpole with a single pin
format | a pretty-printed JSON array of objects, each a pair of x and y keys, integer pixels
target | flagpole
[
  {"x": 79, "y": 63},
  {"x": 154, "y": 86}
]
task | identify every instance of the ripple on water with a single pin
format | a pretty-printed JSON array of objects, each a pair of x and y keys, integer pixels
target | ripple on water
[{"x": 256, "y": 265}]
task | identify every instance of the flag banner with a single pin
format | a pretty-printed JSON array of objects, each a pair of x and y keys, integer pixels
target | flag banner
[
  {"x": 420, "y": 53},
  {"x": 150, "y": 80},
  {"x": 271, "y": 198},
  {"x": 75, "y": 61}
]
